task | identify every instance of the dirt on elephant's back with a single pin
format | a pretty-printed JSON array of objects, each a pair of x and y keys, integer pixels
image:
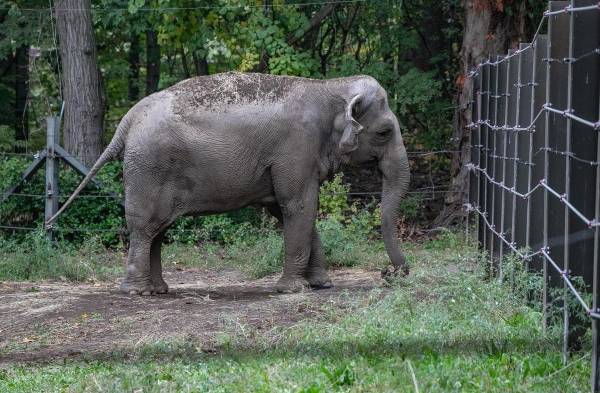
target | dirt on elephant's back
[{"x": 52, "y": 320}]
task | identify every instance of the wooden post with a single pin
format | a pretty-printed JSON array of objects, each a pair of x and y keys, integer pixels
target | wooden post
[{"x": 52, "y": 164}]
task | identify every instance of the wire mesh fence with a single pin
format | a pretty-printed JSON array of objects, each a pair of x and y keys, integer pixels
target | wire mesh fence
[{"x": 535, "y": 161}]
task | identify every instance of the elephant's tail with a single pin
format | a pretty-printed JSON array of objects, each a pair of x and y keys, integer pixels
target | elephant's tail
[{"x": 112, "y": 151}]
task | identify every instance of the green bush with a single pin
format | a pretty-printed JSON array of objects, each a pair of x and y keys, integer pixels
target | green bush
[
  {"x": 333, "y": 198},
  {"x": 248, "y": 238}
]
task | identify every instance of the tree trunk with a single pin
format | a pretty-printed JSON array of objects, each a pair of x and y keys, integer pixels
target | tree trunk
[
  {"x": 133, "y": 87},
  {"x": 82, "y": 89},
  {"x": 21, "y": 90},
  {"x": 184, "y": 63},
  {"x": 488, "y": 30},
  {"x": 152, "y": 62},
  {"x": 201, "y": 64}
]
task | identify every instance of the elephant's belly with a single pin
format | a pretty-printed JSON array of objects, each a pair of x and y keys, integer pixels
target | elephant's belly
[
  {"x": 195, "y": 177},
  {"x": 219, "y": 194}
]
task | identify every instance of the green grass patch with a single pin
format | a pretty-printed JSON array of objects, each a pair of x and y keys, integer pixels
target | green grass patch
[
  {"x": 257, "y": 251},
  {"x": 445, "y": 328}
]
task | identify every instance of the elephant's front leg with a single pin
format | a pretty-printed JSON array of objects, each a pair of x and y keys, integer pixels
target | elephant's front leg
[
  {"x": 299, "y": 215},
  {"x": 316, "y": 273}
]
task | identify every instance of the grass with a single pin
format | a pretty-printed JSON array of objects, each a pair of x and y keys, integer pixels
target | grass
[
  {"x": 36, "y": 258},
  {"x": 445, "y": 328}
]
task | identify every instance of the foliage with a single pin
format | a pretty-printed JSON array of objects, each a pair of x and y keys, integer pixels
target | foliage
[
  {"x": 94, "y": 211},
  {"x": 333, "y": 198},
  {"x": 348, "y": 234},
  {"x": 383, "y": 38}
]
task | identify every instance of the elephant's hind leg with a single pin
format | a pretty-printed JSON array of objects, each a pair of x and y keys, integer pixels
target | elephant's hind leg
[
  {"x": 138, "y": 280},
  {"x": 160, "y": 286}
]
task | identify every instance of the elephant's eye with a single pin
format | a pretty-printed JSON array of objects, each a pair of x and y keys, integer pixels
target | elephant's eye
[
  {"x": 385, "y": 133},
  {"x": 382, "y": 137}
]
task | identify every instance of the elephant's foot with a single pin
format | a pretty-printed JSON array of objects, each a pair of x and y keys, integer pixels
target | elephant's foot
[
  {"x": 160, "y": 286},
  {"x": 142, "y": 287},
  {"x": 319, "y": 279},
  {"x": 291, "y": 284},
  {"x": 391, "y": 271}
]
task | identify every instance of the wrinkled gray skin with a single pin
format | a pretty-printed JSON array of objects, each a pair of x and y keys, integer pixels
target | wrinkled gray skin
[{"x": 218, "y": 143}]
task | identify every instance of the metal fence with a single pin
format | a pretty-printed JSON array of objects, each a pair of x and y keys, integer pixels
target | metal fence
[{"x": 535, "y": 160}]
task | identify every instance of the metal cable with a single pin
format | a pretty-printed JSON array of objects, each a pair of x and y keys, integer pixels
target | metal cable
[
  {"x": 204, "y": 7},
  {"x": 567, "y": 154},
  {"x": 542, "y": 251},
  {"x": 542, "y": 184}
]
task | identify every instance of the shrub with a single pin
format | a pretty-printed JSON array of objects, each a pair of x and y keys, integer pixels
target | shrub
[{"x": 333, "y": 198}]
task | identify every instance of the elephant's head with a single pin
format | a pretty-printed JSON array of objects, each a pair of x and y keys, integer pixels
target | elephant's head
[{"x": 370, "y": 132}]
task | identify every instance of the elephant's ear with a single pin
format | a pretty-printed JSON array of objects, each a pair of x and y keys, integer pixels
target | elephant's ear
[{"x": 352, "y": 128}]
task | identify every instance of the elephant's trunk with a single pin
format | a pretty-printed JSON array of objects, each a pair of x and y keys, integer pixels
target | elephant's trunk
[{"x": 396, "y": 176}]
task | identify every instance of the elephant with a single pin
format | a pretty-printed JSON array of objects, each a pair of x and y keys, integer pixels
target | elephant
[{"x": 213, "y": 144}]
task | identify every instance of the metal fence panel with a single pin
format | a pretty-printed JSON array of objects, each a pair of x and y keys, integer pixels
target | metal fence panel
[
  {"x": 583, "y": 146},
  {"x": 491, "y": 143},
  {"x": 584, "y": 139},
  {"x": 511, "y": 146},
  {"x": 483, "y": 144},
  {"x": 539, "y": 162},
  {"x": 559, "y": 49},
  {"x": 499, "y": 167},
  {"x": 524, "y": 143},
  {"x": 539, "y": 69},
  {"x": 475, "y": 139}
]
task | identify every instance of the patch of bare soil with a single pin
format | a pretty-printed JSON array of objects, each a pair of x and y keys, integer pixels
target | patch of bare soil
[{"x": 56, "y": 320}]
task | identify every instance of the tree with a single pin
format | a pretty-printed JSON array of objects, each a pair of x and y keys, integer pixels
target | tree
[
  {"x": 21, "y": 90},
  {"x": 81, "y": 80},
  {"x": 490, "y": 27},
  {"x": 152, "y": 62},
  {"x": 133, "y": 90}
]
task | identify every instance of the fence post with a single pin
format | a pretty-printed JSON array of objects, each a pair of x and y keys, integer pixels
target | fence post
[
  {"x": 524, "y": 137},
  {"x": 500, "y": 153},
  {"x": 596, "y": 279},
  {"x": 483, "y": 153},
  {"x": 516, "y": 88},
  {"x": 52, "y": 164},
  {"x": 559, "y": 165},
  {"x": 511, "y": 152},
  {"x": 492, "y": 164},
  {"x": 535, "y": 202}
]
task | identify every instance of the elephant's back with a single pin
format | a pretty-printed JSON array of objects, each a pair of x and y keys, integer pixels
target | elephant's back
[{"x": 217, "y": 93}]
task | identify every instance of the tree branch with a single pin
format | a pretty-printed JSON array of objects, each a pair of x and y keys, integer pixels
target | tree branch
[{"x": 314, "y": 22}]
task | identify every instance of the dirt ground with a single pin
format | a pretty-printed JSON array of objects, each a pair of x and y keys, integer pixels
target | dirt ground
[{"x": 56, "y": 320}]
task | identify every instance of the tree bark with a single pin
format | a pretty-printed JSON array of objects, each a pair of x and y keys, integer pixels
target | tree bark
[
  {"x": 201, "y": 64},
  {"x": 152, "y": 62},
  {"x": 184, "y": 63},
  {"x": 21, "y": 90},
  {"x": 488, "y": 30},
  {"x": 82, "y": 89},
  {"x": 133, "y": 88}
]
